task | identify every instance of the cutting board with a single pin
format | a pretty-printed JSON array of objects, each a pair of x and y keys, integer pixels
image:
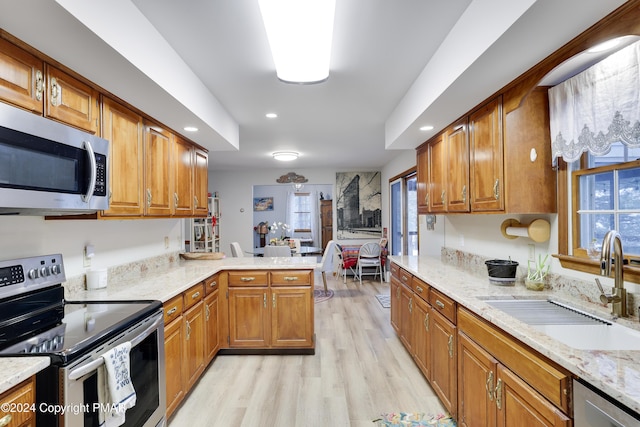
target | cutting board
[{"x": 202, "y": 255}]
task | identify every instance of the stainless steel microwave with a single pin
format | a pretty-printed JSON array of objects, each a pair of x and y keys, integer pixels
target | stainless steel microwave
[{"x": 48, "y": 168}]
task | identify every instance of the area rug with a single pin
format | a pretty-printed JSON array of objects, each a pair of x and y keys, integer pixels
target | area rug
[
  {"x": 384, "y": 300},
  {"x": 414, "y": 419},
  {"x": 319, "y": 294}
]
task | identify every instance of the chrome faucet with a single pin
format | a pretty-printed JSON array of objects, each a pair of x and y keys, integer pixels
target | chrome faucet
[{"x": 618, "y": 298}]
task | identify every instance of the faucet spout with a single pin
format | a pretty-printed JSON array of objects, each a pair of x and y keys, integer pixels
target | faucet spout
[{"x": 613, "y": 240}]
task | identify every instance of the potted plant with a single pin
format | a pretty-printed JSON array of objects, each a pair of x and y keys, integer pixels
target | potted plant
[{"x": 536, "y": 273}]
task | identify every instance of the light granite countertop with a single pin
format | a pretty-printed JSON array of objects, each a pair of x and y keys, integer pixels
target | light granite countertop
[
  {"x": 161, "y": 283},
  {"x": 616, "y": 373}
]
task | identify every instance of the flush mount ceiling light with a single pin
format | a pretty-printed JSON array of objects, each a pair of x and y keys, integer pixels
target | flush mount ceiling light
[
  {"x": 300, "y": 34},
  {"x": 191, "y": 129},
  {"x": 271, "y": 116},
  {"x": 285, "y": 156},
  {"x": 426, "y": 128}
]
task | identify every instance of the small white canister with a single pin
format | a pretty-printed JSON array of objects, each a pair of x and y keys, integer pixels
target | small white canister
[{"x": 97, "y": 278}]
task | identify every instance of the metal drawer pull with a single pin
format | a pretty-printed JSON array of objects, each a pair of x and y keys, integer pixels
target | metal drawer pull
[
  {"x": 450, "y": 346},
  {"x": 419, "y": 289},
  {"x": 5, "y": 421},
  {"x": 489, "y": 386},
  {"x": 404, "y": 278},
  {"x": 439, "y": 304},
  {"x": 196, "y": 295},
  {"x": 290, "y": 278},
  {"x": 212, "y": 284},
  {"x": 172, "y": 311},
  {"x": 247, "y": 279}
]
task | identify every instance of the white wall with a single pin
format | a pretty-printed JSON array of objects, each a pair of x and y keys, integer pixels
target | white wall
[{"x": 116, "y": 242}]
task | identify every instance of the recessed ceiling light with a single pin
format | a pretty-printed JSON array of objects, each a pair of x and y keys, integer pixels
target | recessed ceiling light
[
  {"x": 425, "y": 128},
  {"x": 191, "y": 129},
  {"x": 285, "y": 156},
  {"x": 271, "y": 115}
]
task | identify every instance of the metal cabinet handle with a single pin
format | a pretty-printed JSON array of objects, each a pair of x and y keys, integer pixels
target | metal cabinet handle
[
  {"x": 149, "y": 196},
  {"x": 419, "y": 289},
  {"x": 273, "y": 300},
  {"x": 6, "y": 420},
  {"x": 489, "y": 386},
  {"x": 39, "y": 85},
  {"x": 175, "y": 199},
  {"x": 212, "y": 284},
  {"x": 464, "y": 194},
  {"x": 496, "y": 189},
  {"x": 56, "y": 92},
  {"x": 290, "y": 278},
  {"x": 247, "y": 279},
  {"x": 410, "y": 305},
  {"x": 264, "y": 300},
  {"x": 188, "y": 330},
  {"x": 442, "y": 196},
  {"x": 450, "y": 345},
  {"x": 172, "y": 311},
  {"x": 498, "y": 394},
  {"x": 196, "y": 295},
  {"x": 207, "y": 312},
  {"x": 426, "y": 322},
  {"x": 195, "y": 201},
  {"x": 426, "y": 199},
  {"x": 440, "y": 304},
  {"x": 398, "y": 292}
]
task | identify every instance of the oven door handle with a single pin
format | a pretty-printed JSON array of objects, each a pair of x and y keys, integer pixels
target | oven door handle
[{"x": 95, "y": 364}]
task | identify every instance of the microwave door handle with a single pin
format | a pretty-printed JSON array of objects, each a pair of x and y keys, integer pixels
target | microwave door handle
[{"x": 94, "y": 172}]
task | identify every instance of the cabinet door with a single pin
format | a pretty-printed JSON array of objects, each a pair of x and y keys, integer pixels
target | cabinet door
[
  {"x": 194, "y": 341},
  {"x": 182, "y": 176},
  {"x": 22, "y": 397},
  {"x": 201, "y": 183},
  {"x": 157, "y": 148},
  {"x": 458, "y": 162},
  {"x": 476, "y": 384},
  {"x": 249, "y": 314},
  {"x": 438, "y": 170},
  {"x": 395, "y": 303},
  {"x": 70, "y": 101},
  {"x": 212, "y": 340},
  {"x": 486, "y": 167},
  {"x": 421, "y": 336},
  {"x": 21, "y": 78},
  {"x": 174, "y": 368},
  {"x": 326, "y": 220},
  {"x": 123, "y": 128},
  {"x": 291, "y": 316},
  {"x": 520, "y": 405},
  {"x": 443, "y": 360},
  {"x": 406, "y": 308},
  {"x": 422, "y": 161}
]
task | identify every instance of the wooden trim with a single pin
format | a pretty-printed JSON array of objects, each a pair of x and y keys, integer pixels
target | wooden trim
[
  {"x": 592, "y": 266},
  {"x": 411, "y": 171}
]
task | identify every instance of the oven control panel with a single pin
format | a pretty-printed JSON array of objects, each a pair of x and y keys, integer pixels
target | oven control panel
[{"x": 25, "y": 274}]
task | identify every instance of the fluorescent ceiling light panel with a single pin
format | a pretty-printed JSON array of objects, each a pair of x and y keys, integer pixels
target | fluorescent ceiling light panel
[{"x": 300, "y": 34}]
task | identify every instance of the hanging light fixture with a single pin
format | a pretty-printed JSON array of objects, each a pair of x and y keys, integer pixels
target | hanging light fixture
[
  {"x": 300, "y": 35},
  {"x": 285, "y": 156}
]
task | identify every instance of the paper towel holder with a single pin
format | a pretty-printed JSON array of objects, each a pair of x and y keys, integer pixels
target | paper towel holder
[{"x": 538, "y": 230}]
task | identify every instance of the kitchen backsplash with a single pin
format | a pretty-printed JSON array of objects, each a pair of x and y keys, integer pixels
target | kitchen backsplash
[
  {"x": 563, "y": 285},
  {"x": 131, "y": 270}
]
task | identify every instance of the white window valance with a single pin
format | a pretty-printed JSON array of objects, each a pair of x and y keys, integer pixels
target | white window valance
[{"x": 598, "y": 107}]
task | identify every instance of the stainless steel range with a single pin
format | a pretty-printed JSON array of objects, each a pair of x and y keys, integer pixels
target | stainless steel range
[{"x": 35, "y": 319}]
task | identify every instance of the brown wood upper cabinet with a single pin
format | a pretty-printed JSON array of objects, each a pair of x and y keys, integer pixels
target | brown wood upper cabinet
[
  {"x": 157, "y": 185},
  {"x": 21, "y": 78},
  {"x": 182, "y": 166},
  {"x": 200, "y": 182},
  {"x": 480, "y": 167}
]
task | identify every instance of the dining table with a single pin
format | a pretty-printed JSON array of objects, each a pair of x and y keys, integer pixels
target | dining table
[{"x": 302, "y": 251}]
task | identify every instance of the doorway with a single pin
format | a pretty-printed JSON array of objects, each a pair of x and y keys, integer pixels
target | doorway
[{"x": 404, "y": 214}]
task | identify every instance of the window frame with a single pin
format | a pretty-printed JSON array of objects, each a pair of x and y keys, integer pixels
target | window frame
[
  {"x": 301, "y": 230},
  {"x": 570, "y": 254}
]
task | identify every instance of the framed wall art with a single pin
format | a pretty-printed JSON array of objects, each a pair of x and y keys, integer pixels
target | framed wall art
[
  {"x": 262, "y": 204},
  {"x": 359, "y": 205}
]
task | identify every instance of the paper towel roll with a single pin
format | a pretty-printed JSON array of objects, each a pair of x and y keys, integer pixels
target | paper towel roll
[{"x": 97, "y": 278}]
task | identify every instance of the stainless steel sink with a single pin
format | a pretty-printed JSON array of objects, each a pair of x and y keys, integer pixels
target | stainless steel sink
[{"x": 573, "y": 327}]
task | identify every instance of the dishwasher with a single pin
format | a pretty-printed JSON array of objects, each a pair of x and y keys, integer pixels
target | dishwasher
[{"x": 592, "y": 408}]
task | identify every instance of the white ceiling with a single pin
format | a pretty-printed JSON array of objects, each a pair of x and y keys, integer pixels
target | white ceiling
[{"x": 396, "y": 65}]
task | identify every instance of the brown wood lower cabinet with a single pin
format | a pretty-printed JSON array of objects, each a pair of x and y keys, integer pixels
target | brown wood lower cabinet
[
  {"x": 443, "y": 360},
  {"x": 22, "y": 395}
]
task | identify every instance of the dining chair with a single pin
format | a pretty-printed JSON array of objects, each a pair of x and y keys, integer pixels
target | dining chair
[
  {"x": 236, "y": 250},
  {"x": 277, "y": 251},
  {"x": 368, "y": 257},
  {"x": 326, "y": 262}
]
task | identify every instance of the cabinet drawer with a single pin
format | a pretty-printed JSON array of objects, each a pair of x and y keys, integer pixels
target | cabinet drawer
[
  {"x": 211, "y": 284},
  {"x": 172, "y": 309},
  {"x": 445, "y": 305},
  {"x": 248, "y": 278},
  {"x": 395, "y": 270},
  {"x": 421, "y": 289},
  {"x": 193, "y": 296},
  {"x": 291, "y": 278},
  {"x": 405, "y": 277},
  {"x": 550, "y": 380},
  {"x": 19, "y": 397}
]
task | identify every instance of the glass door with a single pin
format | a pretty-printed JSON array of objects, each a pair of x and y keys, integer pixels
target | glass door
[
  {"x": 396, "y": 241},
  {"x": 404, "y": 215}
]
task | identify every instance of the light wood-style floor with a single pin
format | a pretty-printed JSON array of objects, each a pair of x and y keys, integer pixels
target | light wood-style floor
[{"x": 359, "y": 371}]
